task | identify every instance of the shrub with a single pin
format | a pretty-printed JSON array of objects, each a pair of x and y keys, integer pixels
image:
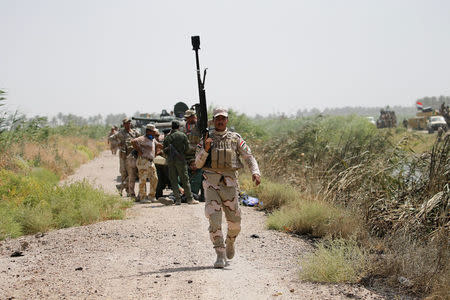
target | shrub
[
  {"x": 314, "y": 217},
  {"x": 272, "y": 195},
  {"x": 35, "y": 203},
  {"x": 334, "y": 261}
]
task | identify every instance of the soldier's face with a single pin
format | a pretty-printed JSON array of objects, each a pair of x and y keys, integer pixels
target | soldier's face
[
  {"x": 220, "y": 123},
  {"x": 127, "y": 125}
]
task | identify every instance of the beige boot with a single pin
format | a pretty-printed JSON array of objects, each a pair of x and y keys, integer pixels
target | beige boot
[
  {"x": 220, "y": 261},
  {"x": 192, "y": 201},
  {"x": 230, "y": 247}
]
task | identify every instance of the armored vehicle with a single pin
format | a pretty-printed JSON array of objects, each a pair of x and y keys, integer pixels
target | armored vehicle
[
  {"x": 419, "y": 122},
  {"x": 165, "y": 119}
]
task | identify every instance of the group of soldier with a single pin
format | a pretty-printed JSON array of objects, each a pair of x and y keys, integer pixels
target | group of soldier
[{"x": 194, "y": 166}]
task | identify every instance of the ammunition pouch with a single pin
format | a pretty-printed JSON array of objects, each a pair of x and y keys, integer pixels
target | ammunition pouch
[
  {"x": 224, "y": 155},
  {"x": 221, "y": 158}
]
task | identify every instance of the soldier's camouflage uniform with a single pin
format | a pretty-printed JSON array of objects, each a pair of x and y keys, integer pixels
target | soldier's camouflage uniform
[
  {"x": 146, "y": 167},
  {"x": 221, "y": 183},
  {"x": 113, "y": 143},
  {"x": 127, "y": 161},
  {"x": 194, "y": 137}
]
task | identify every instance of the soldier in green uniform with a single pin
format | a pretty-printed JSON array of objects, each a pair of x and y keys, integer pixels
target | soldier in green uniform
[
  {"x": 175, "y": 147},
  {"x": 226, "y": 149},
  {"x": 124, "y": 137}
]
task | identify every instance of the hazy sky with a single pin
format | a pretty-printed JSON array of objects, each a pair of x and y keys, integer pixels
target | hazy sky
[{"x": 87, "y": 56}]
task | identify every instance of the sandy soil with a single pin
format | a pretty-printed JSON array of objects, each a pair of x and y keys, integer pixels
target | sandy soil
[{"x": 158, "y": 252}]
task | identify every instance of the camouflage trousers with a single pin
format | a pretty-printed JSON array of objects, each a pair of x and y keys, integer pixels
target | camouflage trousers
[
  {"x": 146, "y": 170},
  {"x": 132, "y": 174},
  {"x": 221, "y": 193},
  {"x": 123, "y": 170}
]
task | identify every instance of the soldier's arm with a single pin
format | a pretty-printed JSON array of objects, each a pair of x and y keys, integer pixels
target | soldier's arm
[
  {"x": 246, "y": 154},
  {"x": 166, "y": 144},
  {"x": 119, "y": 138},
  {"x": 158, "y": 148},
  {"x": 200, "y": 156},
  {"x": 136, "y": 146},
  {"x": 185, "y": 143}
]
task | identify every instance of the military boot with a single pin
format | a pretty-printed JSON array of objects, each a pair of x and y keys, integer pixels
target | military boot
[
  {"x": 152, "y": 199},
  {"x": 165, "y": 200},
  {"x": 220, "y": 261},
  {"x": 230, "y": 247},
  {"x": 192, "y": 201}
]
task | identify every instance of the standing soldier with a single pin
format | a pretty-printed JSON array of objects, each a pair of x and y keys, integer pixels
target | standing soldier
[
  {"x": 124, "y": 137},
  {"x": 146, "y": 147},
  {"x": 192, "y": 131},
  {"x": 113, "y": 143},
  {"x": 221, "y": 182},
  {"x": 175, "y": 146}
]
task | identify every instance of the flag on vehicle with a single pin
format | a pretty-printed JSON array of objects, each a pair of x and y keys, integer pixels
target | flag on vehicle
[{"x": 419, "y": 105}]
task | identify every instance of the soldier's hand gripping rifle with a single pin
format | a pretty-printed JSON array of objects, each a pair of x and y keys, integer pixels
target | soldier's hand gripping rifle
[{"x": 201, "y": 109}]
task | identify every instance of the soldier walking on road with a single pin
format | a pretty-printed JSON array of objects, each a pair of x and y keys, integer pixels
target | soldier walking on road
[
  {"x": 175, "y": 146},
  {"x": 113, "y": 143},
  {"x": 146, "y": 147},
  {"x": 221, "y": 182},
  {"x": 124, "y": 137}
]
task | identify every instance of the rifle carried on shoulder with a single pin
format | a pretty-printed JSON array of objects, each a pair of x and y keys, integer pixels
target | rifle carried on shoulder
[{"x": 200, "y": 108}]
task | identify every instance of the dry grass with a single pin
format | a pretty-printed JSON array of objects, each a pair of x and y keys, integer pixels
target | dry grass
[
  {"x": 334, "y": 261},
  {"x": 60, "y": 154},
  {"x": 397, "y": 182}
]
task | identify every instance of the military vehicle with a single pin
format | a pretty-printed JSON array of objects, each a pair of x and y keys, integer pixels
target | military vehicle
[
  {"x": 419, "y": 122},
  {"x": 387, "y": 119},
  {"x": 436, "y": 122},
  {"x": 165, "y": 119}
]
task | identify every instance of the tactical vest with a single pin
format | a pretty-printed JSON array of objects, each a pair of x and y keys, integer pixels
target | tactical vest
[{"x": 224, "y": 154}]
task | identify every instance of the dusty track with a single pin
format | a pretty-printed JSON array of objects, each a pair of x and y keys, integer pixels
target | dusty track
[{"x": 157, "y": 252}]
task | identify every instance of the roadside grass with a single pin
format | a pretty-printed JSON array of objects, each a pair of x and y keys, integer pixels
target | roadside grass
[
  {"x": 35, "y": 203},
  {"x": 59, "y": 154},
  {"x": 34, "y": 159},
  {"x": 314, "y": 218},
  {"x": 376, "y": 195},
  {"x": 335, "y": 261},
  {"x": 272, "y": 195},
  {"x": 300, "y": 213}
]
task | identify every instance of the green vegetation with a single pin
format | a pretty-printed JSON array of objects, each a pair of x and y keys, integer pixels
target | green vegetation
[
  {"x": 35, "y": 203},
  {"x": 361, "y": 189},
  {"x": 339, "y": 260},
  {"x": 34, "y": 158}
]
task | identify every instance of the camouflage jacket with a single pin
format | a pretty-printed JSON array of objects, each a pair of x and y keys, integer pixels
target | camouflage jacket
[{"x": 124, "y": 139}]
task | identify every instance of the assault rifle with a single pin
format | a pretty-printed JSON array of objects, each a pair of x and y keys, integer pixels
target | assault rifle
[{"x": 200, "y": 108}]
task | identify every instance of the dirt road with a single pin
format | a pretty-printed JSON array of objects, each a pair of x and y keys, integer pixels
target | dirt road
[{"x": 157, "y": 252}]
